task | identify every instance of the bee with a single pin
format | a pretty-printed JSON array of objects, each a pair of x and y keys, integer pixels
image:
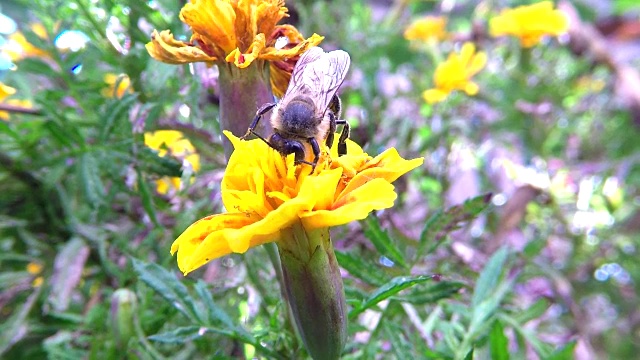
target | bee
[{"x": 309, "y": 111}]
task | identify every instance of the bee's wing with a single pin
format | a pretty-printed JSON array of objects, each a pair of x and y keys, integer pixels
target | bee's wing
[{"x": 318, "y": 75}]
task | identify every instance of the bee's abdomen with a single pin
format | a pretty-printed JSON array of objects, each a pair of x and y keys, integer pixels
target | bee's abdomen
[{"x": 298, "y": 118}]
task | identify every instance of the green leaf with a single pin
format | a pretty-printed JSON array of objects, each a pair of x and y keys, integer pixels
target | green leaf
[
  {"x": 37, "y": 66},
  {"x": 382, "y": 241},
  {"x": 401, "y": 347},
  {"x": 151, "y": 163},
  {"x": 147, "y": 199},
  {"x": 184, "y": 334},
  {"x": 166, "y": 285},
  {"x": 429, "y": 294},
  {"x": 440, "y": 224},
  {"x": 361, "y": 269},
  {"x": 498, "y": 342},
  {"x": 92, "y": 185},
  {"x": 489, "y": 276},
  {"x": 389, "y": 289},
  {"x": 116, "y": 111},
  {"x": 532, "y": 312},
  {"x": 564, "y": 353},
  {"x": 214, "y": 312}
]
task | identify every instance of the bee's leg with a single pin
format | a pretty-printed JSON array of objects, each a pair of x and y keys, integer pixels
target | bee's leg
[
  {"x": 316, "y": 152},
  {"x": 261, "y": 111},
  {"x": 332, "y": 129},
  {"x": 344, "y": 135}
]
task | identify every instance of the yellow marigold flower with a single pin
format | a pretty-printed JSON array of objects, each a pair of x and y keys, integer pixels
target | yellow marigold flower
[
  {"x": 6, "y": 91},
  {"x": 265, "y": 194},
  {"x": 18, "y": 47},
  {"x": 124, "y": 85},
  {"x": 529, "y": 23},
  {"x": 34, "y": 268},
  {"x": 231, "y": 31},
  {"x": 429, "y": 28},
  {"x": 173, "y": 143},
  {"x": 455, "y": 74}
]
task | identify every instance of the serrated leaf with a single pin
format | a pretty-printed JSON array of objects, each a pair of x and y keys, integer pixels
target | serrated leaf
[
  {"x": 430, "y": 294},
  {"x": 90, "y": 181},
  {"x": 214, "y": 312},
  {"x": 58, "y": 133},
  {"x": 147, "y": 199},
  {"x": 387, "y": 290},
  {"x": 498, "y": 342},
  {"x": 187, "y": 333},
  {"x": 489, "y": 276},
  {"x": 115, "y": 112},
  {"x": 166, "y": 285},
  {"x": 401, "y": 347},
  {"x": 151, "y": 163},
  {"x": 362, "y": 270},
  {"x": 440, "y": 224},
  {"x": 382, "y": 241}
]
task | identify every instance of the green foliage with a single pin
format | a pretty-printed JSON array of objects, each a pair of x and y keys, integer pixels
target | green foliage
[{"x": 448, "y": 273}]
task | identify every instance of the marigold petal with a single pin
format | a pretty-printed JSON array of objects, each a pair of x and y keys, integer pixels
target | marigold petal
[
  {"x": 376, "y": 194},
  {"x": 432, "y": 96},
  {"x": 471, "y": 88},
  {"x": 6, "y": 90},
  {"x": 316, "y": 187},
  {"x": 478, "y": 62},
  {"x": 193, "y": 251},
  {"x": 273, "y": 54},
  {"x": 165, "y": 48},
  {"x": 242, "y": 60},
  {"x": 213, "y": 20}
]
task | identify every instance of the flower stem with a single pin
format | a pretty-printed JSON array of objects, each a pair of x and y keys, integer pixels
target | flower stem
[
  {"x": 316, "y": 294},
  {"x": 242, "y": 92}
]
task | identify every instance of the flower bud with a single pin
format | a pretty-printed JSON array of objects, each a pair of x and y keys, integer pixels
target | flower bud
[
  {"x": 124, "y": 306},
  {"x": 314, "y": 287}
]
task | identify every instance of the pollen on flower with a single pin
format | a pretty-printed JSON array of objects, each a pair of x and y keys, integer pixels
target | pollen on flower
[{"x": 266, "y": 193}]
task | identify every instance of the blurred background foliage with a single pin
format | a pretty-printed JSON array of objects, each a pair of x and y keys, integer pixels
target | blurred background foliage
[{"x": 88, "y": 211}]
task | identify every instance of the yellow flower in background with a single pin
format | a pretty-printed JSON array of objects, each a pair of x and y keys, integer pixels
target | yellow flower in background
[
  {"x": 173, "y": 143},
  {"x": 265, "y": 194},
  {"x": 34, "y": 268},
  {"x": 17, "y": 46},
  {"x": 455, "y": 74},
  {"x": 123, "y": 82},
  {"x": 237, "y": 32},
  {"x": 429, "y": 28},
  {"x": 6, "y": 91},
  {"x": 529, "y": 23}
]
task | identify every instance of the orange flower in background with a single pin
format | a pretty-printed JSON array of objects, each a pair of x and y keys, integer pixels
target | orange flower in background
[
  {"x": 237, "y": 32},
  {"x": 173, "y": 143},
  {"x": 429, "y": 28},
  {"x": 530, "y": 23},
  {"x": 265, "y": 193},
  {"x": 455, "y": 74}
]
